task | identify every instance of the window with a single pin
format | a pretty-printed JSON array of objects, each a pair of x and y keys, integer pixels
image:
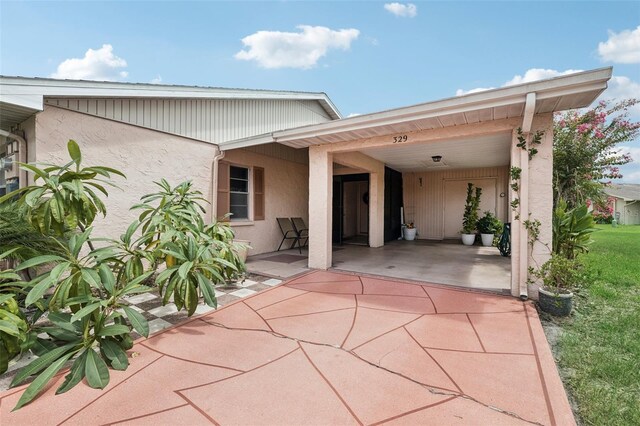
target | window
[{"x": 240, "y": 192}]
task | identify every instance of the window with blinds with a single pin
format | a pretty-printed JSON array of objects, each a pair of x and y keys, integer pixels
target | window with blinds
[{"x": 241, "y": 192}]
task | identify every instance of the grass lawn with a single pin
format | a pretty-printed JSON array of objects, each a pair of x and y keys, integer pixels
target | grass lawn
[{"x": 599, "y": 351}]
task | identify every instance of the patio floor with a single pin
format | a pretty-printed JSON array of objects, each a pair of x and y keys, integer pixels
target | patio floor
[
  {"x": 330, "y": 348},
  {"x": 443, "y": 262}
]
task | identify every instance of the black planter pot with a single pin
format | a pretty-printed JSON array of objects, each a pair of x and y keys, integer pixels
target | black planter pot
[{"x": 559, "y": 305}]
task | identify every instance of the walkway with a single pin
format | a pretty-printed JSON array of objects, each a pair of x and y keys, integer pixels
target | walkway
[{"x": 330, "y": 348}]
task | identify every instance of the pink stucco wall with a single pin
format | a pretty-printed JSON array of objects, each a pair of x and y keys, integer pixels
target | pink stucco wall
[
  {"x": 286, "y": 185},
  {"x": 143, "y": 155},
  {"x": 146, "y": 156}
]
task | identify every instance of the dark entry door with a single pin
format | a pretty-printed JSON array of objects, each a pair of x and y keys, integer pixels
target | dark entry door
[
  {"x": 338, "y": 202},
  {"x": 338, "y": 209},
  {"x": 392, "y": 204}
]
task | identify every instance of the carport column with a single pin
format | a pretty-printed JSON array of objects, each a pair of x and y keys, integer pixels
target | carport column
[
  {"x": 516, "y": 221},
  {"x": 376, "y": 208},
  {"x": 320, "y": 207}
]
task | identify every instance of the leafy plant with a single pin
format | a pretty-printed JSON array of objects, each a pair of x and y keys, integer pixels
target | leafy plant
[
  {"x": 13, "y": 323},
  {"x": 586, "y": 154},
  {"x": 66, "y": 198},
  {"x": 82, "y": 287},
  {"x": 472, "y": 206},
  {"x": 572, "y": 229},
  {"x": 559, "y": 274},
  {"x": 18, "y": 236},
  {"x": 489, "y": 224},
  {"x": 195, "y": 255}
]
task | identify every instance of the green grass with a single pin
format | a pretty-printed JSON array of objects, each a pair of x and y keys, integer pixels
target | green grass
[{"x": 600, "y": 349}]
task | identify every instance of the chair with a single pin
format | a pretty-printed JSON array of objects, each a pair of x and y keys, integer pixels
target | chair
[
  {"x": 288, "y": 233},
  {"x": 301, "y": 228}
]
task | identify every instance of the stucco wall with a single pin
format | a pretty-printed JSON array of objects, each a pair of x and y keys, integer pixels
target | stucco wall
[
  {"x": 142, "y": 155},
  {"x": 286, "y": 195},
  {"x": 424, "y": 203}
]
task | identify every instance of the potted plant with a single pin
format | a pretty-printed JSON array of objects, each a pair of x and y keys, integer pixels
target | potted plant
[
  {"x": 470, "y": 218},
  {"x": 489, "y": 226},
  {"x": 560, "y": 276},
  {"x": 410, "y": 231}
]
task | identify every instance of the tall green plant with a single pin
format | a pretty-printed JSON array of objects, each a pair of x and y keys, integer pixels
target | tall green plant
[
  {"x": 572, "y": 229},
  {"x": 63, "y": 198},
  {"x": 18, "y": 235},
  {"x": 196, "y": 255},
  {"x": 471, "y": 208},
  {"x": 14, "y": 330},
  {"x": 82, "y": 287}
]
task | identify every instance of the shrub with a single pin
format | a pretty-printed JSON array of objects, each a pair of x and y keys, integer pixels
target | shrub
[
  {"x": 572, "y": 230},
  {"x": 489, "y": 224},
  {"x": 82, "y": 287},
  {"x": 472, "y": 205}
]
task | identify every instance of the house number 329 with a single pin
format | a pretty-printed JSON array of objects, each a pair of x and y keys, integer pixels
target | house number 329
[{"x": 400, "y": 139}]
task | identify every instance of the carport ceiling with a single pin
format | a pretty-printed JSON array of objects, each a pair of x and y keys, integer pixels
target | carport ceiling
[{"x": 481, "y": 151}]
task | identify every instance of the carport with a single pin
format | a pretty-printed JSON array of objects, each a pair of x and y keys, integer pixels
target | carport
[{"x": 476, "y": 138}]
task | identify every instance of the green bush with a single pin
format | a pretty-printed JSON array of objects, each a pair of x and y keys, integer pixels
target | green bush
[
  {"x": 489, "y": 224},
  {"x": 572, "y": 229},
  {"x": 82, "y": 287},
  {"x": 472, "y": 205}
]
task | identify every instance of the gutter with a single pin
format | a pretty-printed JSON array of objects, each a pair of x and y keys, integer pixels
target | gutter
[
  {"x": 214, "y": 183},
  {"x": 22, "y": 156}
]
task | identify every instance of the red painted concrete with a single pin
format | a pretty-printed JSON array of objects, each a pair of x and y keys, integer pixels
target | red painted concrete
[{"x": 330, "y": 348}]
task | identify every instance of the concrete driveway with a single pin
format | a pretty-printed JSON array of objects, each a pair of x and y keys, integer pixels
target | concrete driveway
[{"x": 331, "y": 348}]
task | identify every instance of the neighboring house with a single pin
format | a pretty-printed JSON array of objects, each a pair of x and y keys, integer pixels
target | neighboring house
[
  {"x": 290, "y": 154},
  {"x": 625, "y": 202}
]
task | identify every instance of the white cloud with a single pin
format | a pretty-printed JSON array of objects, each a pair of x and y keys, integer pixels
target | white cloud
[
  {"x": 621, "y": 87},
  {"x": 156, "y": 80},
  {"x": 276, "y": 49},
  {"x": 100, "y": 64},
  {"x": 621, "y": 48},
  {"x": 461, "y": 92},
  {"x": 353, "y": 114},
  {"x": 535, "y": 74},
  {"x": 408, "y": 10},
  {"x": 532, "y": 74},
  {"x": 633, "y": 151}
]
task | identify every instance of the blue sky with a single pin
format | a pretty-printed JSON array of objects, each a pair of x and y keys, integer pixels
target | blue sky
[{"x": 365, "y": 56}]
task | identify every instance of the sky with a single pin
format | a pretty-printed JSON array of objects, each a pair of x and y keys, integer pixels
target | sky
[{"x": 367, "y": 56}]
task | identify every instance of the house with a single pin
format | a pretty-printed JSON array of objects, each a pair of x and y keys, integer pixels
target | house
[
  {"x": 624, "y": 199},
  {"x": 265, "y": 154}
]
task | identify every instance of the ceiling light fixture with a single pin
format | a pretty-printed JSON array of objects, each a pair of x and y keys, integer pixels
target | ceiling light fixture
[{"x": 436, "y": 158}]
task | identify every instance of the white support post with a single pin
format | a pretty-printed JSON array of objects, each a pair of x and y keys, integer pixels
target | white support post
[
  {"x": 515, "y": 221},
  {"x": 320, "y": 207},
  {"x": 376, "y": 208}
]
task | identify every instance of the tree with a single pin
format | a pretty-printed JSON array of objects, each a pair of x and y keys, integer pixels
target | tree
[{"x": 585, "y": 150}]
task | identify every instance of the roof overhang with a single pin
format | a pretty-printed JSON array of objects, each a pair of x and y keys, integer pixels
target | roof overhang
[
  {"x": 557, "y": 94},
  {"x": 21, "y": 97}
]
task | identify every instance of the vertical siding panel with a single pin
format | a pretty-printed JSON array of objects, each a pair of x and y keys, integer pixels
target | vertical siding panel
[
  {"x": 214, "y": 120},
  {"x": 425, "y": 205}
]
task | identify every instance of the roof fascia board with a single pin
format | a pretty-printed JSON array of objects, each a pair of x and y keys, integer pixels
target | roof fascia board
[
  {"x": 560, "y": 86},
  {"x": 34, "y": 102},
  {"x": 64, "y": 88}
]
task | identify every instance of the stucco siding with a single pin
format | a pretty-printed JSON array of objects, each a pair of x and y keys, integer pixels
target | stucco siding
[
  {"x": 143, "y": 155},
  {"x": 424, "y": 196},
  {"x": 211, "y": 120},
  {"x": 286, "y": 186}
]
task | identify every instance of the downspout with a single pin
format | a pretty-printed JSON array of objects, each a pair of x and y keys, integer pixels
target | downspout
[
  {"x": 22, "y": 155},
  {"x": 214, "y": 182},
  {"x": 527, "y": 121}
]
